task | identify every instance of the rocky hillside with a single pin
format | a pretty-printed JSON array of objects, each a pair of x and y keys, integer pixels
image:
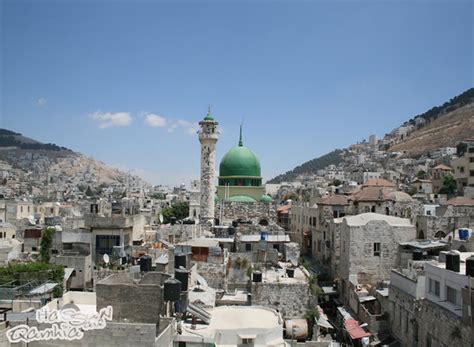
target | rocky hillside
[
  {"x": 47, "y": 170},
  {"x": 446, "y": 130}
]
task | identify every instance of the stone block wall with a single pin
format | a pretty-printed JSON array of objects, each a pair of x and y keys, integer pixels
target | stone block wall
[
  {"x": 114, "y": 335},
  {"x": 214, "y": 274},
  {"x": 292, "y": 300},
  {"x": 254, "y": 211},
  {"x": 134, "y": 302}
]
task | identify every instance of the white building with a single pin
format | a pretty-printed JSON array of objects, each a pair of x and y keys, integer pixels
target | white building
[{"x": 236, "y": 326}]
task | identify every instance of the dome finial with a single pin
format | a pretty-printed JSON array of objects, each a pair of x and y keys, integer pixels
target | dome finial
[
  {"x": 240, "y": 138},
  {"x": 209, "y": 115}
]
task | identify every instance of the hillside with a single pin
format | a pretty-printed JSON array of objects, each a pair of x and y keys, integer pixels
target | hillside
[
  {"x": 445, "y": 130},
  {"x": 310, "y": 167},
  {"x": 11, "y": 139},
  {"x": 49, "y": 170},
  {"x": 441, "y": 126}
]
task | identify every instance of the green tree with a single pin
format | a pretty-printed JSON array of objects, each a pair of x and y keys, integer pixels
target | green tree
[
  {"x": 449, "y": 185},
  {"x": 45, "y": 244},
  {"x": 179, "y": 210},
  {"x": 421, "y": 175}
]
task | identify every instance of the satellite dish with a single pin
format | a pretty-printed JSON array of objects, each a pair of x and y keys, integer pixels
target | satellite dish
[
  {"x": 106, "y": 258},
  {"x": 161, "y": 218}
]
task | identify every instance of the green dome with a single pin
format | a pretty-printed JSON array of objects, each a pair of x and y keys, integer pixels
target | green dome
[
  {"x": 241, "y": 198},
  {"x": 239, "y": 161},
  {"x": 266, "y": 199}
]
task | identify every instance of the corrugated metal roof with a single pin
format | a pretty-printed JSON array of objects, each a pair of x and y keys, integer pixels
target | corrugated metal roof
[{"x": 43, "y": 289}]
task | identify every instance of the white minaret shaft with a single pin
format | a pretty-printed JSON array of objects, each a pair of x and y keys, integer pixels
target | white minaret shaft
[{"x": 208, "y": 136}]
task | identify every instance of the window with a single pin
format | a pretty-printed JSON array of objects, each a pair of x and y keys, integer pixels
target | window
[
  {"x": 376, "y": 249},
  {"x": 248, "y": 247},
  {"x": 247, "y": 341},
  {"x": 434, "y": 287},
  {"x": 452, "y": 296}
]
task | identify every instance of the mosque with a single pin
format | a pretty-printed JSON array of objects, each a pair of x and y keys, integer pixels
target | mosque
[{"x": 239, "y": 180}]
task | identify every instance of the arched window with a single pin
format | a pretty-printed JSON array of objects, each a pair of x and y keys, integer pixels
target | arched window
[
  {"x": 373, "y": 209},
  {"x": 387, "y": 211},
  {"x": 440, "y": 234},
  {"x": 421, "y": 235}
]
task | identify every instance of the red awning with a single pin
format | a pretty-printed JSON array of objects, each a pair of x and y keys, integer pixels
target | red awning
[{"x": 353, "y": 328}]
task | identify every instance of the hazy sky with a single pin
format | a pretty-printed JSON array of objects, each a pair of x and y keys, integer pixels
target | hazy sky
[{"x": 126, "y": 81}]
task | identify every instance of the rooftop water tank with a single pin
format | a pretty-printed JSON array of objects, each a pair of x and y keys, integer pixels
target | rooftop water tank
[
  {"x": 172, "y": 289},
  {"x": 453, "y": 261},
  {"x": 182, "y": 275}
]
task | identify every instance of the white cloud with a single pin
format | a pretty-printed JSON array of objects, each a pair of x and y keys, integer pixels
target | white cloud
[
  {"x": 154, "y": 120},
  {"x": 110, "y": 119},
  {"x": 41, "y": 102},
  {"x": 188, "y": 127}
]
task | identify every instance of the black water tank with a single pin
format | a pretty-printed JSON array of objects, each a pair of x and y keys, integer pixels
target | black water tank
[
  {"x": 182, "y": 275},
  {"x": 417, "y": 254},
  {"x": 231, "y": 231},
  {"x": 173, "y": 220},
  {"x": 145, "y": 263},
  {"x": 453, "y": 261},
  {"x": 179, "y": 260},
  {"x": 290, "y": 272},
  {"x": 172, "y": 289},
  {"x": 257, "y": 276},
  {"x": 470, "y": 266},
  {"x": 235, "y": 224}
]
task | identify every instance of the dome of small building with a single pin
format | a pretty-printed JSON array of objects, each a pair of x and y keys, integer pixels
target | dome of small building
[
  {"x": 399, "y": 197},
  {"x": 240, "y": 198},
  {"x": 266, "y": 199}
]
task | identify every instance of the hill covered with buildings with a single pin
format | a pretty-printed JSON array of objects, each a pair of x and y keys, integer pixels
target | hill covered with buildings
[
  {"x": 440, "y": 127},
  {"x": 49, "y": 171}
]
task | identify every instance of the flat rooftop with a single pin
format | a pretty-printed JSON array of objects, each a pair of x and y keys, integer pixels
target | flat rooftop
[{"x": 276, "y": 275}]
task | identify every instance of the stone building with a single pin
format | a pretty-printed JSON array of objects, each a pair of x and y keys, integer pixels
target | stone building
[
  {"x": 429, "y": 304},
  {"x": 303, "y": 221},
  {"x": 369, "y": 247},
  {"x": 437, "y": 176},
  {"x": 289, "y": 296}
]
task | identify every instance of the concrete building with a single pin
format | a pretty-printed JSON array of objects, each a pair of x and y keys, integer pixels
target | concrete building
[
  {"x": 464, "y": 169},
  {"x": 7, "y": 231},
  {"x": 195, "y": 200},
  {"x": 82, "y": 265},
  {"x": 235, "y": 326},
  {"x": 116, "y": 333},
  {"x": 369, "y": 247},
  {"x": 208, "y": 136},
  {"x": 112, "y": 232}
]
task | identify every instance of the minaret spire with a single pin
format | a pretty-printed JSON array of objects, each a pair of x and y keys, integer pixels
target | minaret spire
[{"x": 240, "y": 138}]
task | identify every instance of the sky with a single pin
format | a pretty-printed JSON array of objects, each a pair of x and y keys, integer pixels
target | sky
[{"x": 127, "y": 81}]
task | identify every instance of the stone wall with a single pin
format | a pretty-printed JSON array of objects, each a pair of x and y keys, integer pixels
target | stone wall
[
  {"x": 135, "y": 302},
  {"x": 214, "y": 274},
  {"x": 292, "y": 300},
  {"x": 357, "y": 251},
  {"x": 418, "y": 322},
  {"x": 114, "y": 335},
  {"x": 254, "y": 211}
]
